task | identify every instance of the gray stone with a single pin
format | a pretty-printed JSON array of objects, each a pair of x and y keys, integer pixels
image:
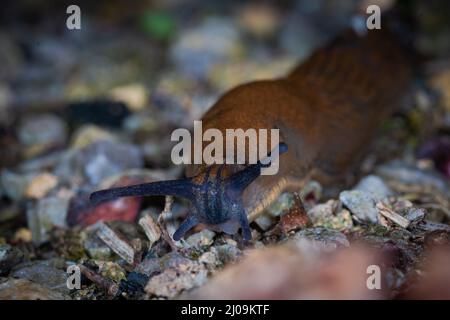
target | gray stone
[
  {"x": 228, "y": 253},
  {"x": 45, "y": 273},
  {"x": 6, "y": 97},
  {"x": 22, "y": 289},
  {"x": 375, "y": 186},
  {"x": 47, "y": 213},
  {"x": 149, "y": 266},
  {"x": 209, "y": 258},
  {"x": 319, "y": 238},
  {"x": 173, "y": 260},
  {"x": 89, "y": 133},
  {"x": 402, "y": 172},
  {"x": 283, "y": 203},
  {"x": 100, "y": 160},
  {"x": 201, "y": 239},
  {"x": 45, "y": 129},
  {"x": 9, "y": 257},
  {"x": 361, "y": 204},
  {"x": 265, "y": 221},
  {"x": 95, "y": 247},
  {"x": 323, "y": 211},
  {"x": 198, "y": 49},
  {"x": 14, "y": 185},
  {"x": 172, "y": 281},
  {"x": 414, "y": 214},
  {"x": 329, "y": 215}
]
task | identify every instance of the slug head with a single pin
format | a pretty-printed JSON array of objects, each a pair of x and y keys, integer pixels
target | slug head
[{"x": 216, "y": 200}]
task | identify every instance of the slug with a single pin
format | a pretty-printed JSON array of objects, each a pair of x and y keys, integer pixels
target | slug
[{"x": 327, "y": 111}]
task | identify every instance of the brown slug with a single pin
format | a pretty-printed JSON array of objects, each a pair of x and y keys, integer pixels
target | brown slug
[{"x": 327, "y": 111}]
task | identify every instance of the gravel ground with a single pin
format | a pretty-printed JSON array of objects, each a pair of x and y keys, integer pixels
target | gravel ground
[{"x": 93, "y": 108}]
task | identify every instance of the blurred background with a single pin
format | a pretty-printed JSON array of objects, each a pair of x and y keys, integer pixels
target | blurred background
[{"x": 90, "y": 108}]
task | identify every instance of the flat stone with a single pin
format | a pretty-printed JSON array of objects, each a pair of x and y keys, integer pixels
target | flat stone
[
  {"x": 100, "y": 160},
  {"x": 328, "y": 215},
  {"x": 44, "y": 273},
  {"x": 404, "y": 173},
  {"x": 22, "y": 289},
  {"x": 45, "y": 214},
  {"x": 375, "y": 186},
  {"x": 281, "y": 205},
  {"x": 172, "y": 281},
  {"x": 30, "y": 131},
  {"x": 361, "y": 204},
  {"x": 228, "y": 253},
  {"x": 9, "y": 257},
  {"x": 319, "y": 238},
  {"x": 201, "y": 239}
]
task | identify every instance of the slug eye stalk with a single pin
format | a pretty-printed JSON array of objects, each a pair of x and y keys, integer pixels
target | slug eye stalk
[{"x": 216, "y": 201}]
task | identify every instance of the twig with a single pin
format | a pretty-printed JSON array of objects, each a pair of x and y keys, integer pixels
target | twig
[
  {"x": 167, "y": 211},
  {"x": 119, "y": 246},
  {"x": 151, "y": 229},
  {"x": 107, "y": 284},
  {"x": 388, "y": 213}
]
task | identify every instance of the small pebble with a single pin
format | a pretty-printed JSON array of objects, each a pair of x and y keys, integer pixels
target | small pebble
[
  {"x": 198, "y": 49},
  {"x": 319, "y": 238},
  {"x": 135, "y": 95},
  {"x": 100, "y": 160},
  {"x": 265, "y": 222},
  {"x": 44, "y": 273},
  {"x": 201, "y": 239},
  {"x": 172, "y": 281},
  {"x": 400, "y": 172},
  {"x": 22, "y": 289},
  {"x": 375, "y": 186},
  {"x": 9, "y": 257},
  {"x": 40, "y": 185},
  {"x": 329, "y": 215},
  {"x": 361, "y": 204},
  {"x": 88, "y": 134},
  {"x": 281, "y": 205},
  {"x": 48, "y": 212},
  {"x": 43, "y": 131}
]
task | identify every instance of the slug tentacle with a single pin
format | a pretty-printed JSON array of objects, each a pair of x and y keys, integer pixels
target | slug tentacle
[
  {"x": 242, "y": 179},
  {"x": 246, "y": 232},
  {"x": 190, "y": 222},
  {"x": 182, "y": 188}
]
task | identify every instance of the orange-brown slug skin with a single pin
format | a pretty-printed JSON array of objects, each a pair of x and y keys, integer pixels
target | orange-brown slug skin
[{"x": 327, "y": 110}]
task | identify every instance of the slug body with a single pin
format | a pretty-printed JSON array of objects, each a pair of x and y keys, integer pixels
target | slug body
[{"x": 327, "y": 111}]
